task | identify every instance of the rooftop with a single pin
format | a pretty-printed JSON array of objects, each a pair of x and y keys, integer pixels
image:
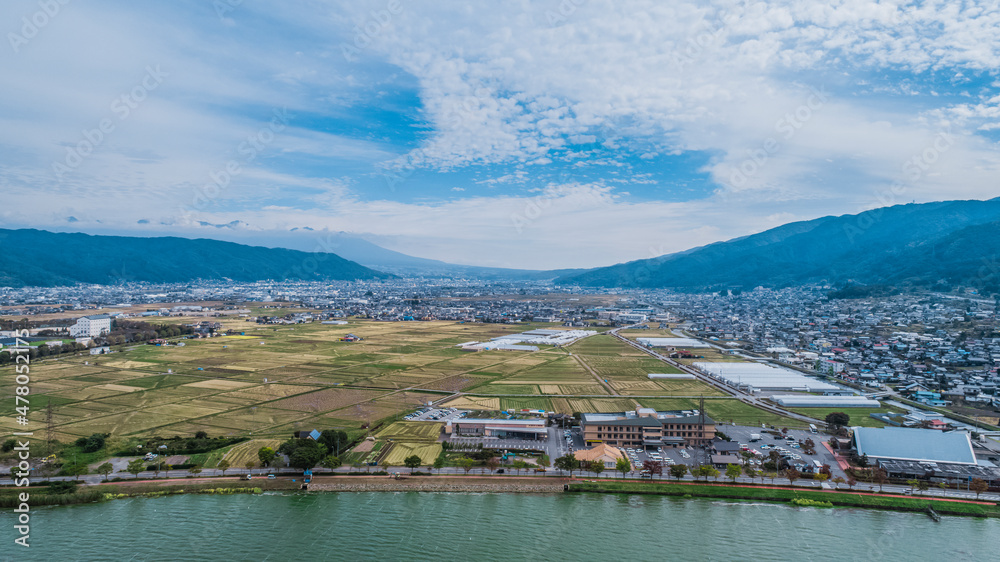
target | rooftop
[{"x": 906, "y": 444}]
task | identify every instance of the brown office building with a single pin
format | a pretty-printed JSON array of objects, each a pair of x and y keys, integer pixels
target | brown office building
[{"x": 646, "y": 427}]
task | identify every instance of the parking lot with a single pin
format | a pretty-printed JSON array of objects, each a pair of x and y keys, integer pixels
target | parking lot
[
  {"x": 436, "y": 414},
  {"x": 768, "y": 442}
]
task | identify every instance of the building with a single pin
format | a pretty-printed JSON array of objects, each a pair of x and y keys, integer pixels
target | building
[
  {"x": 501, "y": 428},
  {"x": 916, "y": 445},
  {"x": 603, "y": 453},
  {"x": 646, "y": 427},
  {"x": 813, "y": 401},
  {"x": 91, "y": 326}
]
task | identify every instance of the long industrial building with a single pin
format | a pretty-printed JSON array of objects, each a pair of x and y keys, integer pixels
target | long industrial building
[
  {"x": 757, "y": 376},
  {"x": 671, "y": 342},
  {"x": 812, "y": 401}
]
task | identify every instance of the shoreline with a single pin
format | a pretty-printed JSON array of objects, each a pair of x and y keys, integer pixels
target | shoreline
[{"x": 527, "y": 485}]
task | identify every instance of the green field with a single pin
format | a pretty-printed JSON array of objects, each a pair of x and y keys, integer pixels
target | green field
[
  {"x": 414, "y": 432},
  {"x": 859, "y": 416},
  {"x": 399, "y": 452},
  {"x": 723, "y": 411}
]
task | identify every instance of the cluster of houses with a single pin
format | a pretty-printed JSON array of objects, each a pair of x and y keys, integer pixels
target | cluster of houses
[{"x": 938, "y": 349}]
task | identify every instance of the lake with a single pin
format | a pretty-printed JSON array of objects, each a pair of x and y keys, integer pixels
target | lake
[{"x": 468, "y": 526}]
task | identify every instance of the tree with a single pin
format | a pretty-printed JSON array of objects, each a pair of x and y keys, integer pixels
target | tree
[
  {"x": 851, "y": 482},
  {"x": 943, "y": 485},
  {"x": 223, "y": 466},
  {"x": 250, "y": 466},
  {"x": 751, "y": 472},
  {"x": 439, "y": 462},
  {"x": 733, "y": 472},
  {"x": 622, "y": 465},
  {"x": 303, "y": 453},
  {"x": 492, "y": 463},
  {"x": 266, "y": 455},
  {"x": 334, "y": 439},
  {"x": 978, "y": 486},
  {"x": 135, "y": 466},
  {"x": 880, "y": 477},
  {"x": 195, "y": 470},
  {"x": 567, "y": 463},
  {"x": 792, "y": 475},
  {"x": 466, "y": 464},
  {"x": 357, "y": 464},
  {"x": 201, "y": 435},
  {"x": 655, "y": 468},
  {"x": 821, "y": 477},
  {"x": 412, "y": 462},
  {"x": 76, "y": 469},
  {"x": 519, "y": 465},
  {"x": 105, "y": 469},
  {"x": 837, "y": 420},
  {"x": 678, "y": 471},
  {"x": 923, "y": 486},
  {"x": 710, "y": 472},
  {"x": 863, "y": 461},
  {"x": 838, "y": 481},
  {"x": 597, "y": 467},
  {"x": 912, "y": 483},
  {"x": 333, "y": 462}
]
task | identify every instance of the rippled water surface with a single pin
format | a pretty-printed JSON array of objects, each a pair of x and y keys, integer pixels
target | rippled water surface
[{"x": 458, "y": 526}]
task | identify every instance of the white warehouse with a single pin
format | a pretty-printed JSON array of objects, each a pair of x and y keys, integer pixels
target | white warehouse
[
  {"x": 812, "y": 401},
  {"x": 757, "y": 376},
  {"x": 672, "y": 376}
]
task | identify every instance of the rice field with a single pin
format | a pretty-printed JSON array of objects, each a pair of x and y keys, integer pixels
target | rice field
[
  {"x": 400, "y": 451},
  {"x": 276, "y": 379},
  {"x": 241, "y": 453},
  {"x": 413, "y": 432}
]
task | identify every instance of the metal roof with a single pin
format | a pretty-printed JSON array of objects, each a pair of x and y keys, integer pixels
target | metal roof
[{"x": 907, "y": 444}]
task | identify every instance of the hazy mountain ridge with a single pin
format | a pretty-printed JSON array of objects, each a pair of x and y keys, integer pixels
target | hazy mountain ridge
[
  {"x": 904, "y": 244},
  {"x": 41, "y": 258}
]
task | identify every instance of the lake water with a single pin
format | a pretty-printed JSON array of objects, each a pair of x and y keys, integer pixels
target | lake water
[{"x": 465, "y": 526}]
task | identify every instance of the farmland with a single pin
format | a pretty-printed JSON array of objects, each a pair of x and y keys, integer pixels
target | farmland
[{"x": 273, "y": 380}]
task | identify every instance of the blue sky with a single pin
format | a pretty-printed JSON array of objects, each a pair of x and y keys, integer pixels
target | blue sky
[{"x": 545, "y": 134}]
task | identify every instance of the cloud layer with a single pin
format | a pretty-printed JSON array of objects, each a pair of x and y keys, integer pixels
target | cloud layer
[{"x": 525, "y": 134}]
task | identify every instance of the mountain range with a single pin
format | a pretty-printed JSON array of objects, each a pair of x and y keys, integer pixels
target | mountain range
[
  {"x": 929, "y": 244},
  {"x": 941, "y": 245},
  {"x": 40, "y": 258}
]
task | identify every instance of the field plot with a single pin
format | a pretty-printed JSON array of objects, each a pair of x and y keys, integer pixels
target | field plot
[
  {"x": 325, "y": 400},
  {"x": 242, "y": 453},
  {"x": 474, "y": 403},
  {"x": 399, "y": 452},
  {"x": 526, "y": 403},
  {"x": 501, "y": 388},
  {"x": 413, "y": 432}
]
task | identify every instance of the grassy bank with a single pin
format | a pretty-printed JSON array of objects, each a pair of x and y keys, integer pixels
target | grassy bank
[
  {"x": 837, "y": 499},
  {"x": 39, "y": 496}
]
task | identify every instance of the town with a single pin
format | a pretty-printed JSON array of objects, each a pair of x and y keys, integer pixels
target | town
[{"x": 898, "y": 390}]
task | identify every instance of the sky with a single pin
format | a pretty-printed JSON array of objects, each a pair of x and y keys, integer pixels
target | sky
[{"x": 543, "y": 134}]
